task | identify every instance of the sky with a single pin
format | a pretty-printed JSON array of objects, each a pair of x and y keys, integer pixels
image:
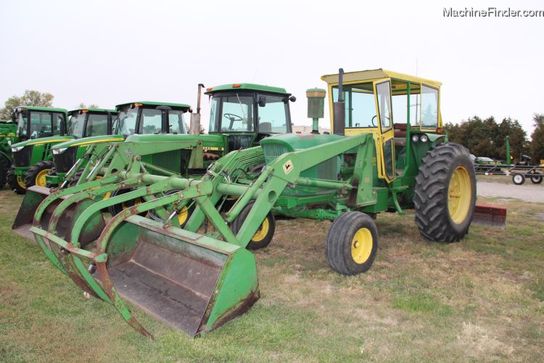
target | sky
[{"x": 111, "y": 52}]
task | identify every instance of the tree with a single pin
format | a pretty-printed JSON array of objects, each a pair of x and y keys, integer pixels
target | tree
[
  {"x": 92, "y": 105},
  {"x": 536, "y": 146},
  {"x": 484, "y": 137},
  {"x": 29, "y": 98}
]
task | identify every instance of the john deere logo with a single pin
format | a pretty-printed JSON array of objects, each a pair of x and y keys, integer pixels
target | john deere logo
[{"x": 288, "y": 167}]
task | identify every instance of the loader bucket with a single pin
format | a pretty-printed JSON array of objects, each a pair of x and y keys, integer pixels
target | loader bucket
[
  {"x": 35, "y": 195},
  {"x": 23, "y": 221},
  {"x": 192, "y": 282},
  {"x": 490, "y": 215}
]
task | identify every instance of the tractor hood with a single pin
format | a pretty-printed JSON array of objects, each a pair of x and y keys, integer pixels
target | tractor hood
[
  {"x": 43, "y": 140},
  {"x": 292, "y": 142},
  {"x": 86, "y": 141}
]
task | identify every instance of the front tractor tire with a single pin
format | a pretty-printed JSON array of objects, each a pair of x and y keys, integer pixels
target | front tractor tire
[
  {"x": 264, "y": 234},
  {"x": 36, "y": 175},
  {"x": 16, "y": 183},
  {"x": 445, "y": 193},
  {"x": 352, "y": 243}
]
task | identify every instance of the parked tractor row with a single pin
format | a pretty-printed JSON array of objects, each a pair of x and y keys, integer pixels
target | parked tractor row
[{"x": 167, "y": 220}]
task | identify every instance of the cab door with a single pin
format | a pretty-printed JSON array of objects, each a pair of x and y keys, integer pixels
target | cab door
[{"x": 385, "y": 143}]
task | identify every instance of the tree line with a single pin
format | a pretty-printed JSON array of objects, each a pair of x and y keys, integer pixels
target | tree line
[{"x": 486, "y": 137}]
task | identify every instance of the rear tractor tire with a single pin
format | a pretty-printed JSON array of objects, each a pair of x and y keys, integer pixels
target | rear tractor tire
[
  {"x": 445, "y": 193},
  {"x": 16, "y": 183},
  {"x": 518, "y": 179},
  {"x": 36, "y": 175},
  {"x": 352, "y": 243},
  {"x": 264, "y": 234}
]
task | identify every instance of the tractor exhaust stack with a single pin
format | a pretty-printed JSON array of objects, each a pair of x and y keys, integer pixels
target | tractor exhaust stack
[
  {"x": 194, "y": 128},
  {"x": 340, "y": 106}
]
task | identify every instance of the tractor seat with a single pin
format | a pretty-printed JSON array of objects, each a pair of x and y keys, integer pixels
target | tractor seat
[
  {"x": 400, "y": 130},
  {"x": 265, "y": 127}
]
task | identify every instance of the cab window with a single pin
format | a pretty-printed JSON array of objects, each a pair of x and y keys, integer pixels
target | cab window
[
  {"x": 40, "y": 124},
  {"x": 429, "y": 107},
  {"x": 360, "y": 105},
  {"x": 237, "y": 113},
  {"x": 383, "y": 91},
  {"x": 151, "y": 121},
  {"x": 176, "y": 122},
  {"x": 273, "y": 115},
  {"x": 97, "y": 124}
]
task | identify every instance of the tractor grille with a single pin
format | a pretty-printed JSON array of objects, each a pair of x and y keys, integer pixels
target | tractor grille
[
  {"x": 237, "y": 142},
  {"x": 64, "y": 161},
  {"x": 272, "y": 151},
  {"x": 22, "y": 157}
]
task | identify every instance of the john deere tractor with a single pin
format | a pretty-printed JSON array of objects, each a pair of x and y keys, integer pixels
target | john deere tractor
[
  {"x": 88, "y": 126},
  {"x": 387, "y": 152},
  {"x": 8, "y": 136},
  {"x": 38, "y": 128},
  {"x": 142, "y": 117},
  {"x": 240, "y": 116}
]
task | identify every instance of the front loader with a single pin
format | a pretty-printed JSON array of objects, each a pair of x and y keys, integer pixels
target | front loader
[
  {"x": 198, "y": 275},
  {"x": 241, "y": 115}
]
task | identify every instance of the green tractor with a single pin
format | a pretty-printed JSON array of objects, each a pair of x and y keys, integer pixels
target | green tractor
[
  {"x": 388, "y": 153},
  {"x": 240, "y": 116},
  {"x": 8, "y": 135},
  {"x": 142, "y": 117},
  {"x": 88, "y": 126},
  {"x": 38, "y": 128}
]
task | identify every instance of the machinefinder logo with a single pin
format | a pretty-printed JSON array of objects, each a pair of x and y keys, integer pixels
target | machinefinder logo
[{"x": 491, "y": 12}]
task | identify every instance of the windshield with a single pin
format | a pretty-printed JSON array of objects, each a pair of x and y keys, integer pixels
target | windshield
[
  {"x": 360, "y": 105},
  {"x": 76, "y": 124},
  {"x": 21, "y": 125},
  {"x": 232, "y": 113},
  {"x": 125, "y": 123}
]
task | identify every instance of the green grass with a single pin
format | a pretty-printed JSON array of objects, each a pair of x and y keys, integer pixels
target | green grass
[{"x": 477, "y": 300}]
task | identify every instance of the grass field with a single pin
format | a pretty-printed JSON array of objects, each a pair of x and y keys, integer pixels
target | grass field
[{"x": 478, "y": 300}]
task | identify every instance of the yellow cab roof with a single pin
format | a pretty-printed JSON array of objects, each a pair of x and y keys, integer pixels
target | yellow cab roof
[{"x": 374, "y": 74}]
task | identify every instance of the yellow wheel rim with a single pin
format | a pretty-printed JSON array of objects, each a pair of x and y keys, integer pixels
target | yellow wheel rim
[
  {"x": 41, "y": 179},
  {"x": 183, "y": 215},
  {"x": 459, "y": 195},
  {"x": 361, "y": 245},
  {"x": 21, "y": 182},
  {"x": 106, "y": 196},
  {"x": 262, "y": 231}
]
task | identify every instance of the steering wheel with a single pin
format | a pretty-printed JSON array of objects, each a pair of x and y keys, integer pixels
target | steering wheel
[
  {"x": 372, "y": 121},
  {"x": 232, "y": 117}
]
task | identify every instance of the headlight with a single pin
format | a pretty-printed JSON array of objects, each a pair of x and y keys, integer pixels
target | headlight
[
  {"x": 59, "y": 150},
  {"x": 15, "y": 149},
  {"x": 415, "y": 138},
  {"x": 424, "y": 138}
]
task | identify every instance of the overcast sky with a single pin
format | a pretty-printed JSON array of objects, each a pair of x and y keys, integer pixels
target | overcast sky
[{"x": 110, "y": 52}]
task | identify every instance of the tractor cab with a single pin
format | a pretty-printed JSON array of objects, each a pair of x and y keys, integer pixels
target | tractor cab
[
  {"x": 88, "y": 122},
  {"x": 87, "y": 126},
  {"x": 147, "y": 117},
  {"x": 37, "y": 122},
  {"x": 246, "y": 113},
  {"x": 402, "y": 113}
]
